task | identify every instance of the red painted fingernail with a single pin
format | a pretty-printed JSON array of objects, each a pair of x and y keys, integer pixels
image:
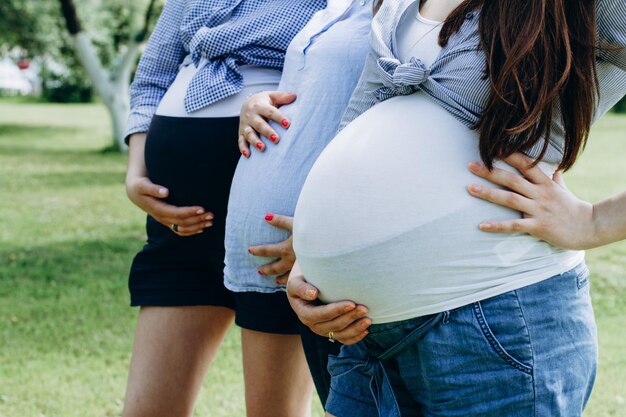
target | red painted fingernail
[
  {"x": 245, "y": 153},
  {"x": 285, "y": 123},
  {"x": 269, "y": 217},
  {"x": 249, "y": 251},
  {"x": 260, "y": 273},
  {"x": 260, "y": 146},
  {"x": 273, "y": 138},
  {"x": 278, "y": 282}
]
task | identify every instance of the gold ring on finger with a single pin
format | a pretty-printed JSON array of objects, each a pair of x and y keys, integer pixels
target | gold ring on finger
[
  {"x": 331, "y": 337},
  {"x": 174, "y": 227}
]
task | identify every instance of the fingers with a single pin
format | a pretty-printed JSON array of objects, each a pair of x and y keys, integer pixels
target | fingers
[
  {"x": 142, "y": 186},
  {"x": 273, "y": 250},
  {"x": 503, "y": 178},
  {"x": 183, "y": 216},
  {"x": 186, "y": 227},
  {"x": 344, "y": 318},
  {"x": 524, "y": 165},
  {"x": 282, "y": 250},
  {"x": 557, "y": 177},
  {"x": 317, "y": 316},
  {"x": 510, "y": 226},
  {"x": 297, "y": 287},
  {"x": 189, "y": 220},
  {"x": 260, "y": 125},
  {"x": 282, "y": 279},
  {"x": 243, "y": 146},
  {"x": 280, "y": 98},
  {"x": 252, "y": 138},
  {"x": 502, "y": 197},
  {"x": 353, "y": 333},
  {"x": 270, "y": 111},
  {"x": 280, "y": 221},
  {"x": 348, "y": 327},
  {"x": 190, "y": 230},
  {"x": 279, "y": 267},
  {"x": 147, "y": 187},
  {"x": 254, "y": 115}
]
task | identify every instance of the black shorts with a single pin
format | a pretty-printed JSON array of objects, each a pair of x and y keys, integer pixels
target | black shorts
[
  {"x": 195, "y": 158},
  {"x": 266, "y": 312}
]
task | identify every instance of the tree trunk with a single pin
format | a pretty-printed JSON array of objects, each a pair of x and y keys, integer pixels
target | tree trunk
[
  {"x": 111, "y": 85},
  {"x": 119, "y": 110}
]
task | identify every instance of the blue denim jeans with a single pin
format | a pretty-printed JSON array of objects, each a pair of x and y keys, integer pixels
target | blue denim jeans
[{"x": 528, "y": 352}]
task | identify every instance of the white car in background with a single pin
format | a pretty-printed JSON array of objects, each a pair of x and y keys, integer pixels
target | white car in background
[{"x": 12, "y": 80}]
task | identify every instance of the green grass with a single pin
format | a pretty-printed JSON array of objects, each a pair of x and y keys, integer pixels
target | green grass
[{"x": 67, "y": 237}]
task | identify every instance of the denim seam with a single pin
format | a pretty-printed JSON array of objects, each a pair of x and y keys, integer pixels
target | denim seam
[
  {"x": 495, "y": 345},
  {"x": 532, "y": 354}
]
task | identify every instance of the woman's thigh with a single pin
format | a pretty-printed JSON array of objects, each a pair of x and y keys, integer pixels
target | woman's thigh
[
  {"x": 277, "y": 379},
  {"x": 173, "y": 348},
  {"x": 528, "y": 352}
]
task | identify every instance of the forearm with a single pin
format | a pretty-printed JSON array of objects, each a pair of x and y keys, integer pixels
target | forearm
[
  {"x": 609, "y": 219},
  {"x": 136, "y": 161}
]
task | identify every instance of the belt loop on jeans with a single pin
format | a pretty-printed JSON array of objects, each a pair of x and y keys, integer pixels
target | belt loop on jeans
[{"x": 446, "y": 317}]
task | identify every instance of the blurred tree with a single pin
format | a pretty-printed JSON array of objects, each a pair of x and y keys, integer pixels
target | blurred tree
[
  {"x": 109, "y": 62},
  {"x": 96, "y": 41}
]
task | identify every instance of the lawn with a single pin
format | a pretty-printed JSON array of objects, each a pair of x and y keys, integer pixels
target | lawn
[{"x": 67, "y": 237}]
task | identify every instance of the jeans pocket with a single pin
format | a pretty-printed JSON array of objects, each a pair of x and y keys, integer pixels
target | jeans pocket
[{"x": 504, "y": 327}]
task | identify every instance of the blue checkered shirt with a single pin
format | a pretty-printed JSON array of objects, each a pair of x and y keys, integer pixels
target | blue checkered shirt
[
  {"x": 227, "y": 33},
  {"x": 456, "y": 81}
]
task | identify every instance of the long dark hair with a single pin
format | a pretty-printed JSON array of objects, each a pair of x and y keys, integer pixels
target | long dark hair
[
  {"x": 377, "y": 5},
  {"x": 541, "y": 57}
]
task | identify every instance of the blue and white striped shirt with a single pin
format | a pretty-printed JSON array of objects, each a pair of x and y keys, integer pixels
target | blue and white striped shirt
[
  {"x": 228, "y": 33},
  {"x": 456, "y": 80}
]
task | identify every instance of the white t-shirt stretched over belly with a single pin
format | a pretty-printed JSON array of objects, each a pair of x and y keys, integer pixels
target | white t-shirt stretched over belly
[{"x": 384, "y": 217}]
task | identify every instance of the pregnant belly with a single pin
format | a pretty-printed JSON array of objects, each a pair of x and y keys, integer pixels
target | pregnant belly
[
  {"x": 384, "y": 217},
  {"x": 196, "y": 167}
]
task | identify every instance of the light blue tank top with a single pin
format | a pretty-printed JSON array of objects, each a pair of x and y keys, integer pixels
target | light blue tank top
[{"x": 322, "y": 66}]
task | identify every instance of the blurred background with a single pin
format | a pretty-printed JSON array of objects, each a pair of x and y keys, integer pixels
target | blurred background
[{"x": 68, "y": 233}]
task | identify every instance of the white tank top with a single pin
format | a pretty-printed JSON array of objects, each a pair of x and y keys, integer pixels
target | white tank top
[
  {"x": 255, "y": 79},
  {"x": 384, "y": 218}
]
